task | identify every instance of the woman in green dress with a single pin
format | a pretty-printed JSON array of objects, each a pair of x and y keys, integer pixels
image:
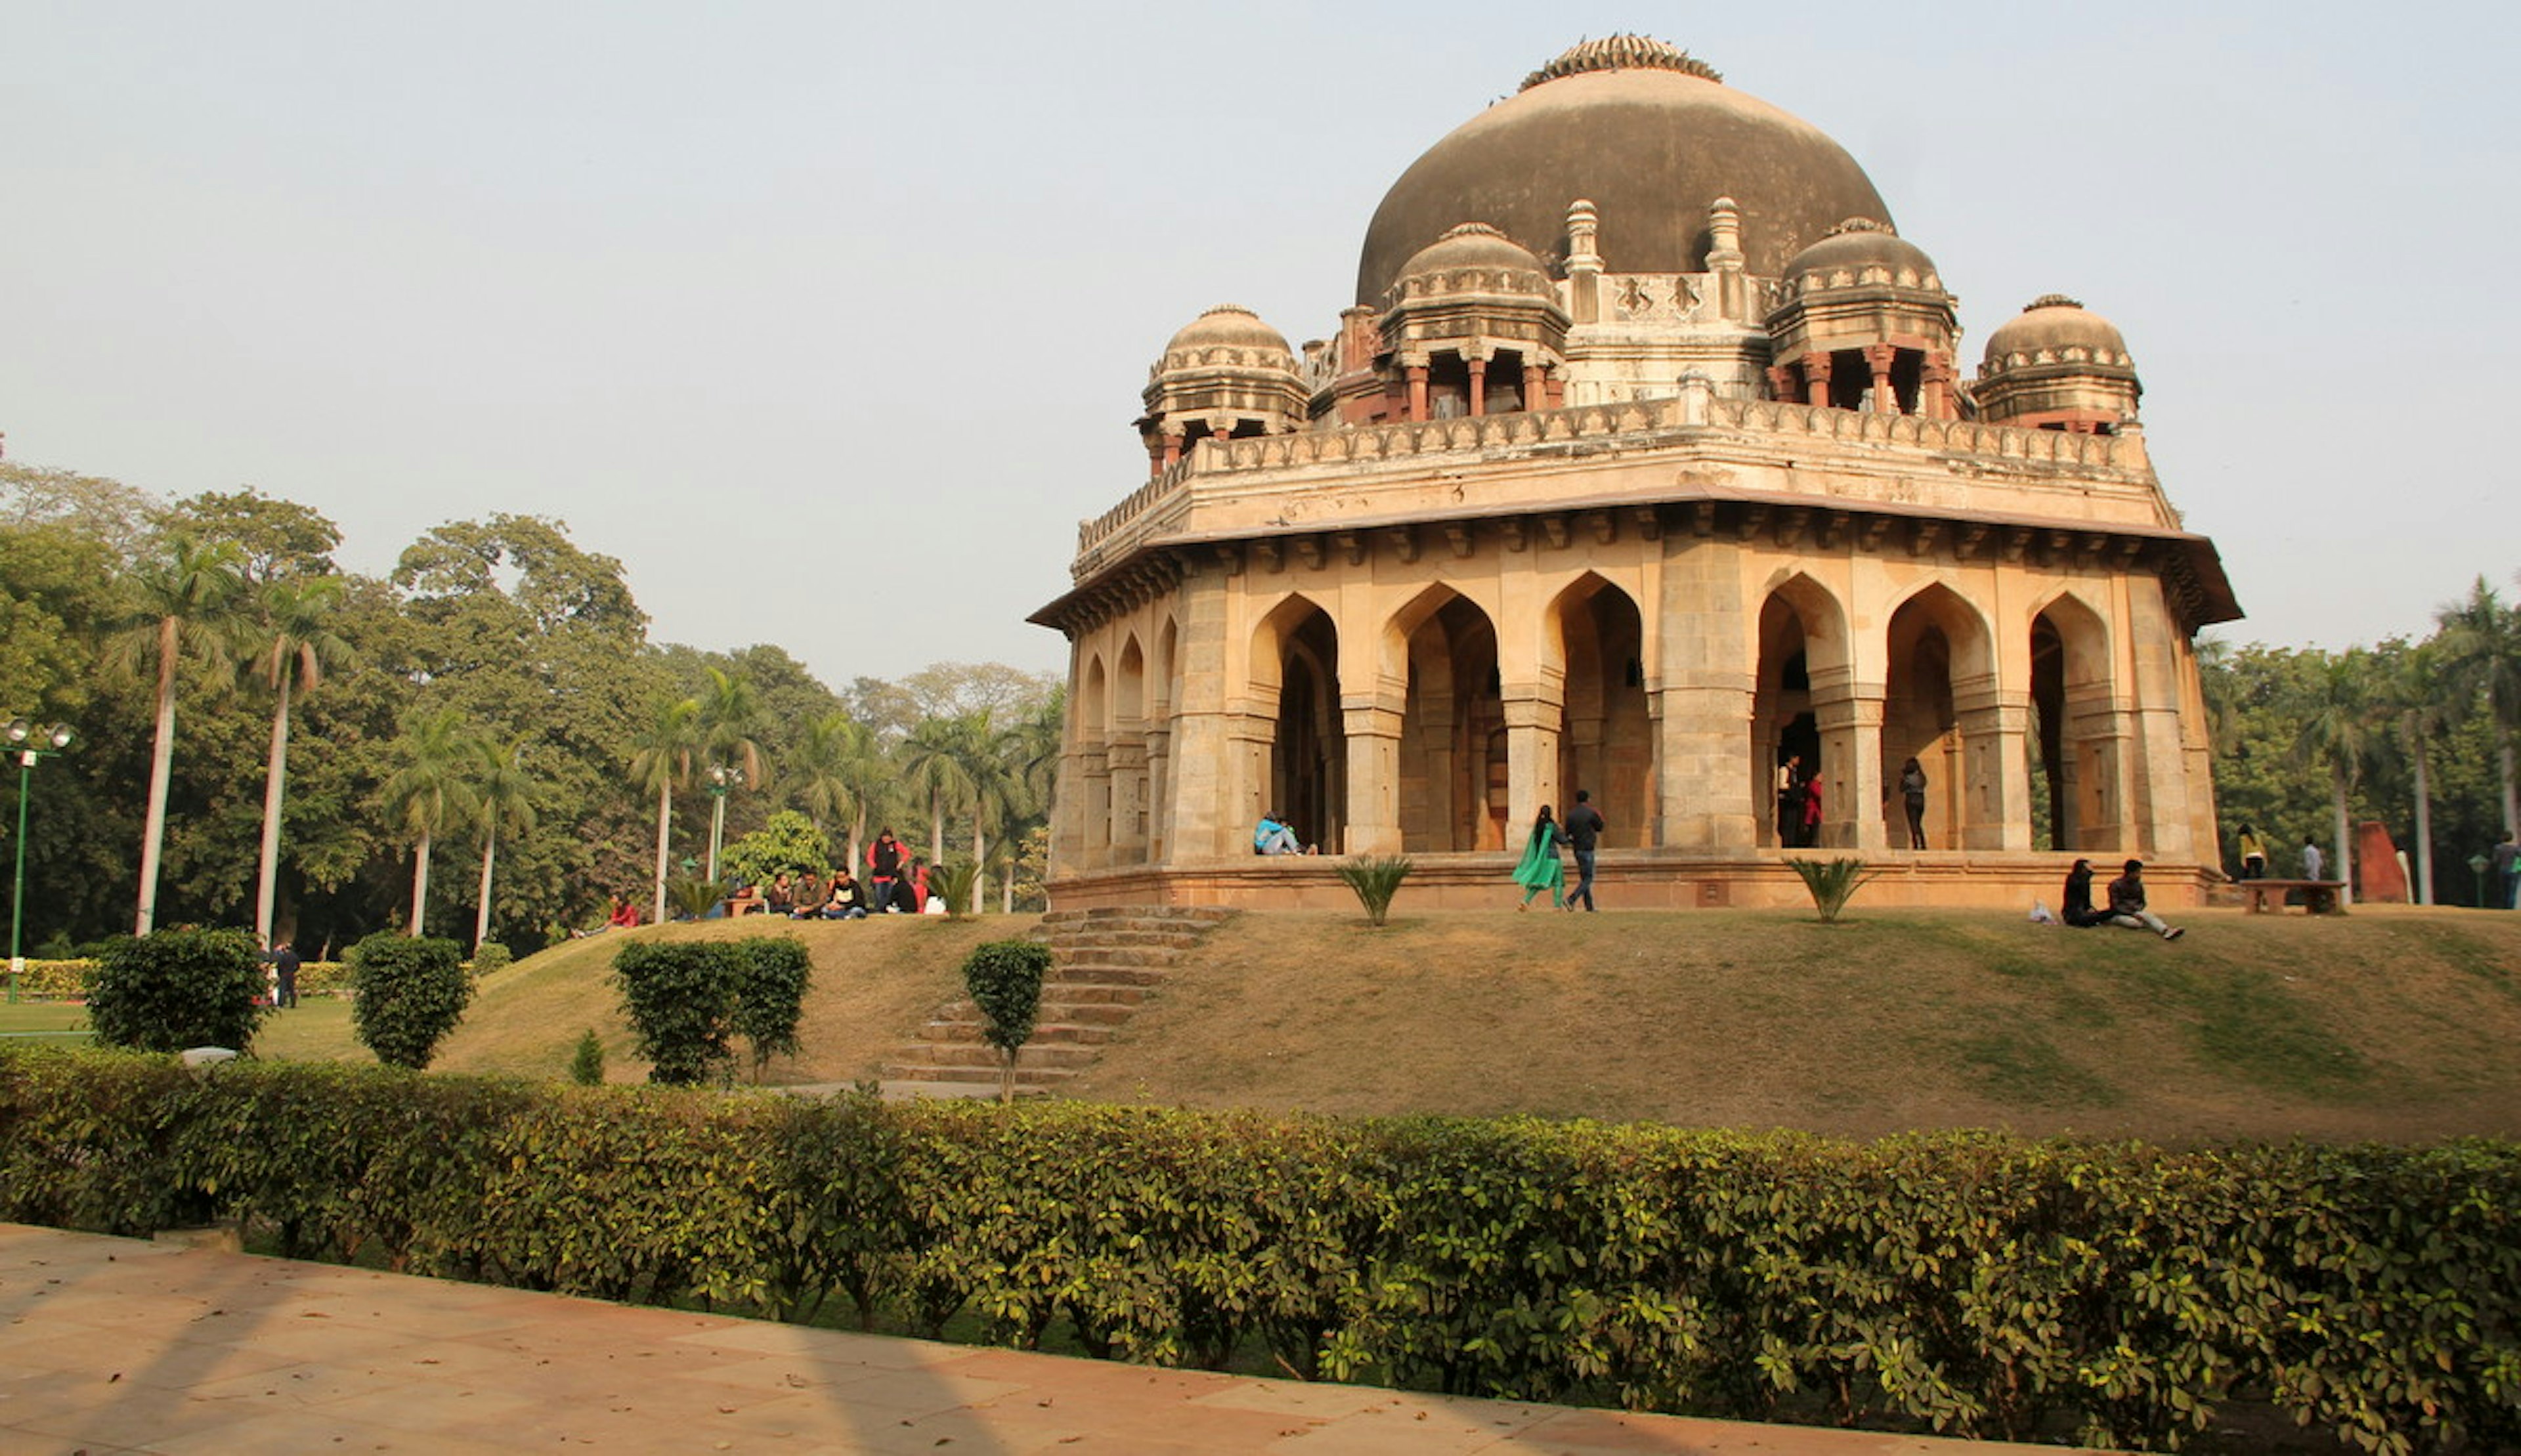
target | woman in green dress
[{"x": 1541, "y": 868}]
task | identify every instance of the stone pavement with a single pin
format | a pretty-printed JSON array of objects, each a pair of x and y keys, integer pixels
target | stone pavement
[{"x": 111, "y": 1344}]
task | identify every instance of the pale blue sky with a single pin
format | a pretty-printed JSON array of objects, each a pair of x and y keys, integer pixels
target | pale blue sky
[{"x": 830, "y": 321}]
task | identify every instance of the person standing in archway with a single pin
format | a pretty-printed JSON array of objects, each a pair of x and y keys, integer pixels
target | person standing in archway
[
  {"x": 1790, "y": 801},
  {"x": 1585, "y": 827},
  {"x": 1912, "y": 795}
]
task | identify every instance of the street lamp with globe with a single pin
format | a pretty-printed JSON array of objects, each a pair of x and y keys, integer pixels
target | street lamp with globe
[
  {"x": 29, "y": 742},
  {"x": 724, "y": 779}
]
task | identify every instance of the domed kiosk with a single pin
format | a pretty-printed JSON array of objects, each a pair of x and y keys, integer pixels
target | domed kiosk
[{"x": 1641, "y": 465}]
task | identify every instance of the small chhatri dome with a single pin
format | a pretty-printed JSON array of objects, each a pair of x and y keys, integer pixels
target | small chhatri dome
[
  {"x": 2055, "y": 329},
  {"x": 1227, "y": 326},
  {"x": 1472, "y": 245},
  {"x": 1622, "y": 53},
  {"x": 1863, "y": 249}
]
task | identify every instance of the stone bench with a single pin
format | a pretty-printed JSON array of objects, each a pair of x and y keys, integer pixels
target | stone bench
[{"x": 2319, "y": 896}]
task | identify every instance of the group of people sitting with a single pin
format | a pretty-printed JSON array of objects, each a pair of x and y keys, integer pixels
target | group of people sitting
[
  {"x": 2126, "y": 907},
  {"x": 897, "y": 883}
]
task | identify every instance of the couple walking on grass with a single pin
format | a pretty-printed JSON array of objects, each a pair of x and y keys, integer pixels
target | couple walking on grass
[{"x": 1541, "y": 868}]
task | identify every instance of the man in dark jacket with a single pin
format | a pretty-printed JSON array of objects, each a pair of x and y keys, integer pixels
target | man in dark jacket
[
  {"x": 1585, "y": 827},
  {"x": 2126, "y": 904}
]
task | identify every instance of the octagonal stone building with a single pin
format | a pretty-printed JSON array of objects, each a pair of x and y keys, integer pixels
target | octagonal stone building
[{"x": 1643, "y": 462}]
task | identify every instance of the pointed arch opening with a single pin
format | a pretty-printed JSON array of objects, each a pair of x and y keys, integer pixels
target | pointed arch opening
[
  {"x": 1452, "y": 754},
  {"x": 1803, "y": 655},
  {"x": 2073, "y": 753},
  {"x": 1608, "y": 744},
  {"x": 1304, "y": 779},
  {"x": 1094, "y": 759},
  {"x": 1128, "y": 754},
  {"x": 1939, "y": 708}
]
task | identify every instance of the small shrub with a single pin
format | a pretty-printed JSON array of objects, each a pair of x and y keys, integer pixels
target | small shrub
[
  {"x": 770, "y": 974},
  {"x": 1832, "y": 881},
  {"x": 1005, "y": 978},
  {"x": 177, "y": 990},
  {"x": 408, "y": 994},
  {"x": 678, "y": 997},
  {"x": 489, "y": 956},
  {"x": 1376, "y": 879},
  {"x": 690, "y": 896},
  {"x": 788, "y": 844},
  {"x": 955, "y": 882},
  {"x": 586, "y": 1065}
]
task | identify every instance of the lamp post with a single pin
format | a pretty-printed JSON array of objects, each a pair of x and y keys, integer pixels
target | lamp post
[
  {"x": 57, "y": 737},
  {"x": 724, "y": 779}
]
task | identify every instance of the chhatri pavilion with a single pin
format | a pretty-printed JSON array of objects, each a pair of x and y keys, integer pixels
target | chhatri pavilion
[{"x": 1645, "y": 459}]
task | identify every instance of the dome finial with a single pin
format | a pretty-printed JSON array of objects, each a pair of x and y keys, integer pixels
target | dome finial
[{"x": 1622, "y": 53}]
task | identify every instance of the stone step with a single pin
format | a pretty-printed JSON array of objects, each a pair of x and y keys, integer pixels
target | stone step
[
  {"x": 1063, "y": 956},
  {"x": 1080, "y": 994},
  {"x": 954, "y": 1030},
  {"x": 981, "y": 1054},
  {"x": 1098, "y": 972},
  {"x": 909, "y": 1089},
  {"x": 1205, "y": 916},
  {"x": 938, "y": 1072},
  {"x": 1153, "y": 940}
]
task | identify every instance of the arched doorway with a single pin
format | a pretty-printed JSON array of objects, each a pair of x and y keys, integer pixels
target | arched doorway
[
  {"x": 2074, "y": 755},
  {"x": 1306, "y": 777},
  {"x": 1803, "y": 660},
  {"x": 1939, "y": 708},
  {"x": 1608, "y": 744},
  {"x": 1452, "y": 756},
  {"x": 1129, "y": 756}
]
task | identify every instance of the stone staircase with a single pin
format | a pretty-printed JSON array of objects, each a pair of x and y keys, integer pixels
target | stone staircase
[{"x": 1104, "y": 963}]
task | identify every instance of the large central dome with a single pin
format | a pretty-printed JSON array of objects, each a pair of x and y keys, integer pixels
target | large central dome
[{"x": 1651, "y": 137}]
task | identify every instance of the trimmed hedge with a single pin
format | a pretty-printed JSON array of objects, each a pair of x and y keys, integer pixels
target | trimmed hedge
[
  {"x": 72, "y": 980},
  {"x": 1970, "y": 1284}
]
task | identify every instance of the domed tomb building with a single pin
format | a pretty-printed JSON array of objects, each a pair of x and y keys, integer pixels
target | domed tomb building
[{"x": 1643, "y": 462}]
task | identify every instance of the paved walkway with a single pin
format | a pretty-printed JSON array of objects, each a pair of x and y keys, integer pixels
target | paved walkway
[{"x": 109, "y": 1344}]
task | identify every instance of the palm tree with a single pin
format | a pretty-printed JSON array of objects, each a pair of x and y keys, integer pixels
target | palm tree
[
  {"x": 662, "y": 757},
  {"x": 825, "y": 774},
  {"x": 2334, "y": 718},
  {"x": 1032, "y": 748},
  {"x": 432, "y": 790},
  {"x": 183, "y": 604},
  {"x": 2480, "y": 650},
  {"x": 296, "y": 646},
  {"x": 730, "y": 715},
  {"x": 2417, "y": 708},
  {"x": 505, "y": 794},
  {"x": 936, "y": 762}
]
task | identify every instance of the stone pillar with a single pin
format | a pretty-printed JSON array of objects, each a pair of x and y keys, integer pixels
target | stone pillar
[
  {"x": 1160, "y": 790},
  {"x": 1532, "y": 739},
  {"x": 1936, "y": 401},
  {"x": 1094, "y": 766},
  {"x": 1172, "y": 450},
  {"x": 1535, "y": 384},
  {"x": 1782, "y": 385},
  {"x": 1995, "y": 727},
  {"x": 1417, "y": 375},
  {"x": 1816, "y": 379},
  {"x": 1878, "y": 358},
  {"x": 1127, "y": 760},
  {"x": 2159, "y": 780},
  {"x": 1700, "y": 695},
  {"x": 1479, "y": 367},
  {"x": 1849, "y": 715},
  {"x": 1373, "y": 731},
  {"x": 1557, "y": 387}
]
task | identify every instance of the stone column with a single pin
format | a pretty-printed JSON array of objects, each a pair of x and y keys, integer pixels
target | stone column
[
  {"x": 1782, "y": 385},
  {"x": 1127, "y": 760},
  {"x": 1849, "y": 714},
  {"x": 1172, "y": 450},
  {"x": 1094, "y": 766},
  {"x": 1373, "y": 730},
  {"x": 1995, "y": 726},
  {"x": 1478, "y": 364},
  {"x": 1816, "y": 379},
  {"x": 1878, "y": 358},
  {"x": 1699, "y": 693},
  {"x": 2159, "y": 780},
  {"x": 1159, "y": 801},
  {"x": 1535, "y": 384},
  {"x": 1936, "y": 387},
  {"x": 1417, "y": 375},
  {"x": 1532, "y": 739}
]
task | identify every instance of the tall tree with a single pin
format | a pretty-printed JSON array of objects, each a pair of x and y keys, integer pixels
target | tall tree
[
  {"x": 2418, "y": 708},
  {"x": 504, "y": 799},
  {"x": 293, "y": 647},
  {"x": 2481, "y": 648},
  {"x": 730, "y": 722},
  {"x": 181, "y": 605},
  {"x": 431, "y": 790},
  {"x": 662, "y": 757},
  {"x": 834, "y": 772},
  {"x": 1032, "y": 747},
  {"x": 2334, "y": 729},
  {"x": 936, "y": 764}
]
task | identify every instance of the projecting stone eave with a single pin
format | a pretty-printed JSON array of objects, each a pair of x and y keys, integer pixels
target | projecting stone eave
[{"x": 1703, "y": 508}]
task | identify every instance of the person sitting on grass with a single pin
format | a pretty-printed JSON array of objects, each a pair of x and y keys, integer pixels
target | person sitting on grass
[
  {"x": 625, "y": 915},
  {"x": 2126, "y": 904},
  {"x": 845, "y": 901},
  {"x": 2075, "y": 904}
]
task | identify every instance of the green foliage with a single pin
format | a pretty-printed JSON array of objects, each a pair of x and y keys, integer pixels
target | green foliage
[
  {"x": 1973, "y": 1285},
  {"x": 678, "y": 998},
  {"x": 770, "y": 974},
  {"x": 789, "y": 844},
  {"x": 1005, "y": 978},
  {"x": 690, "y": 896},
  {"x": 687, "y": 1001},
  {"x": 491, "y": 955},
  {"x": 955, "y": 883},
  {"x": 1376, "y": 879},
  {"x": 409, "y": 993},
  {"x": 586, "y": 1064},
  {"x": 176, "y": 990},
  {"x": 1832, "y": 881}
]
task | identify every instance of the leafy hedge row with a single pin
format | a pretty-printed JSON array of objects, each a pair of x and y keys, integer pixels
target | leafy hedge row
[
  {"x": 72, "y": 980},
  {"x": 1970, "y": 1284}
]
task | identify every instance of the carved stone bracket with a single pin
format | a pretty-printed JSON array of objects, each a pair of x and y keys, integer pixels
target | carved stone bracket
[
  {"x": 1553, "y": 532},
  {"x": 1517, "y": 531},
  {"x": 1457, "y": 534},
  {"x": 1352, "y": 547},
  {"x": 1404, "y": 542}
]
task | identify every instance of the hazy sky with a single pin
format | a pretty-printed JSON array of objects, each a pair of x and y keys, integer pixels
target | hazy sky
[{"x": 830, "y": 320}]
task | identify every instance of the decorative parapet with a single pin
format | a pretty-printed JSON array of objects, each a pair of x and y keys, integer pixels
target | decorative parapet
[{"x": 1155, "y": 504}]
